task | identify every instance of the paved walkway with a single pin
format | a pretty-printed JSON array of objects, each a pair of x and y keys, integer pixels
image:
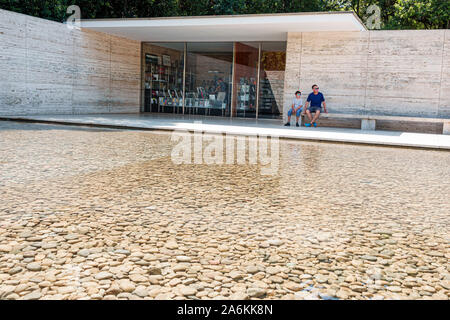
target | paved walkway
[{"x": 246, "y": 127}]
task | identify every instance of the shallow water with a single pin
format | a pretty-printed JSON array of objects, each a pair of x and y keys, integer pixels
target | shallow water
[{"x": 334, "y": 221}]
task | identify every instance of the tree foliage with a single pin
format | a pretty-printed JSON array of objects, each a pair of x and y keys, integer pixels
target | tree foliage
[{"x": 395, "y": 14}]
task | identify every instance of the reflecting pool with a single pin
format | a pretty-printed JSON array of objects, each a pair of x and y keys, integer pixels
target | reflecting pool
[{"x": 92, "y": 213}]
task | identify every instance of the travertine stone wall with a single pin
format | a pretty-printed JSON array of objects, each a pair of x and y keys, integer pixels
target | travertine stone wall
[
  {"x": 47, "y": 68},
  {"x": 374, "y": 72},
  {"x": 444, "y": 94}
]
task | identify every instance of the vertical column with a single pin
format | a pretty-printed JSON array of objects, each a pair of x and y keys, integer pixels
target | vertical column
[
  {"x": 233, "y": 104},
  {"x": 142, "y": 95},
  {"x": 258, "y": 80},
  {"x": 292, "y": 72},
  {"x": 184, "y": 76}
]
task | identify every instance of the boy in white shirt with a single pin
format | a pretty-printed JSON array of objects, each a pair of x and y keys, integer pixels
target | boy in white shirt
[{"x": 297, "y": 106}]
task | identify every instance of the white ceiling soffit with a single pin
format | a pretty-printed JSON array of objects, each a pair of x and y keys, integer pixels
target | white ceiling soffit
[{"x": 259, "y": 27}]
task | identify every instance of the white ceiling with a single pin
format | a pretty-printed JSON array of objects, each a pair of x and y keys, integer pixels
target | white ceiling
[
  {"x": 271, "y": 27},
  {"x": 203, "y": 47}
]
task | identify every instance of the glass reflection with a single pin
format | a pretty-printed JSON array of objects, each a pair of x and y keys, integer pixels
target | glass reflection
[
  {"x": 208, "y": 78},
  {"x": 245, "y": 79},
  {"x": 212, "y": 85},
  {"x": 271, "y": 84}
]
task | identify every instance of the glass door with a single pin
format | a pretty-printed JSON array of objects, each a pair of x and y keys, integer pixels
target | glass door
[
  {"x": 271, "y": 83},
  {"x": 245, "y": 79},
  {"x": 208, "y": 78}
]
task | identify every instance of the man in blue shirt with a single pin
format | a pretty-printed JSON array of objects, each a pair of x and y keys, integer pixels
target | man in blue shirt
[{"x": 315, "y": 101}]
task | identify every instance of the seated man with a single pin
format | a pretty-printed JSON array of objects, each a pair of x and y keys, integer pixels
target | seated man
[
  {"x": 315, "y": 99},
  {"x": 296, "y": 107}
]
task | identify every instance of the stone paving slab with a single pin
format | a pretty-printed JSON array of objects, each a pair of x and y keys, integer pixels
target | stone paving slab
[{"x": 246, "y": 127}]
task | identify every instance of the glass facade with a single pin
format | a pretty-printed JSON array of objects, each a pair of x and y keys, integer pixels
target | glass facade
[
  {"x": 271, "y": 83},
  {"x": 163, "y": 77},
  {"x": 208, "y": 78},
  {"x": 228, "y": 79},
  {"x": 245, "y": 79}
]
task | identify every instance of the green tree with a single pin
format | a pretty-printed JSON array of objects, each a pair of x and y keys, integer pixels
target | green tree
[
  {"x": 420, "y": 14},
  {"x": 229, "y": 7},
  {"x": 395, "y": 14},
  {"x": 195, "y": 7}
]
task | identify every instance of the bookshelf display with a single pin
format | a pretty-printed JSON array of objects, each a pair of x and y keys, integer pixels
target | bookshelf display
[{"x": 163, "y": 79}]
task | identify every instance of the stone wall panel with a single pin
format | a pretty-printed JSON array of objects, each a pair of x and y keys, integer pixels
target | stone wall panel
[
  {"x": 403, "y": 72},
  {"x": 47, "y": 68}
]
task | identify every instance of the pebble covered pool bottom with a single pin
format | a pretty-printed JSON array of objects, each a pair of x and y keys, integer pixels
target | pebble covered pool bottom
[{"x": 91, "y": 213}]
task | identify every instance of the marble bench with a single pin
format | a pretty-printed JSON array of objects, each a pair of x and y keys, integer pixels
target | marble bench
[{"x": 368, "y": 122}]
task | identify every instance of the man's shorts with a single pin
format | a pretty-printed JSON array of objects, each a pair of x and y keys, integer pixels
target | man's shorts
[
  {"x": 314, "y": 109},
  {"x": 297, "y": 113}
]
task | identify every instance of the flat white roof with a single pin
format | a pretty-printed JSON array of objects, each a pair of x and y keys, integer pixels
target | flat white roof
[{"x": 257, "y": 27}]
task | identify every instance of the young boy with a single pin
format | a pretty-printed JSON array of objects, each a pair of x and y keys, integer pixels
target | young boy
[{"x": 296, "y": 107}]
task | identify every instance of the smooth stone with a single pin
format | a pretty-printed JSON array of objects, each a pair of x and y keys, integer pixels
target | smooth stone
[
  {"x": 275, "y": 242},
  {"x": 183, "y": 259},
  {"x": 171, "y": 245},
  {"x": 239, "y": 296},
  {"x": 123, "y": 251},
  {"x": 5, "y": 248},
  {"x": 273, "y": 270},
  {"x": 66, "y": 290},
  {"x": 341, "y": 294},
  {"x": 14, "y": 270},
  {"x": 103, "y": 275},
  {"x": 49, "y": 245},
  {"x": 292, "y": 286},
  {"x": 275, "y": 279},
  {"x": 126, "y": 285},
  {"x": 252, "y": 269},
  {"x": 256, "y": 292},
  {"x": 137, "y": 278},
  {"x": 394, "y": 289},
  {"x": 369, "y": 258},
  {"x": 188, "y": 291},
  {"x": 113, "y": 290},
  {"x": 321, "y": 278},
  {"x": 34, "y": 266},
  {"x": 13, "y": 296},
  {"x": 156, "y": 279},
  {"x": 358, "y": 288},
  {"x": 154, "y": 271},
  {"x": 84, "y": 252},
  {"x": 141, "y": 291},
  {"x": 236, "y": 275},
  {"x": 163, "y": 296},
  {"x": 428, "y": 289},
  {"x": 72, "y": 236},
  {"x": 445, "y": 284},
  {"x": 35, "y": 295}
]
